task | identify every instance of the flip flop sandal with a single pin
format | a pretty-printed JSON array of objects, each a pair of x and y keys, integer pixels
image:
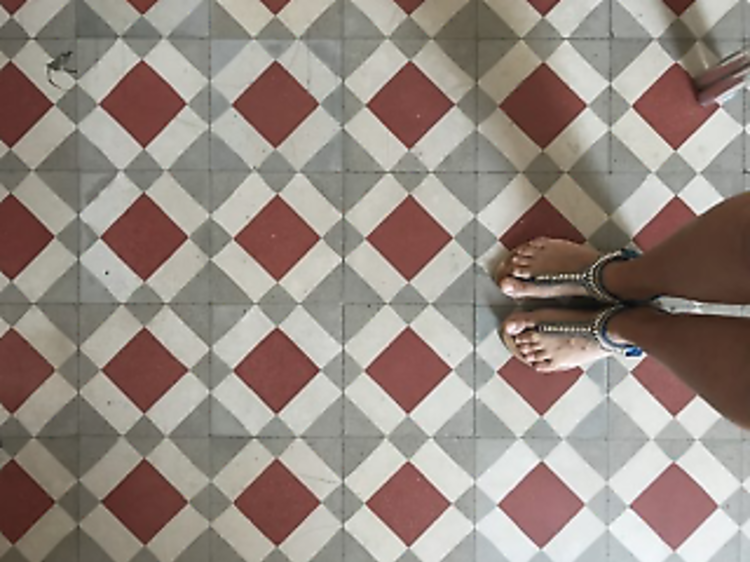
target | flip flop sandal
[
  {"x": 595, "y": 329},
  {"x": 590, "y": 279}
]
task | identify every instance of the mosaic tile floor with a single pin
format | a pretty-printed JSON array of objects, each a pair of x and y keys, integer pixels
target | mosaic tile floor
[{"x": 245, "y": 310}]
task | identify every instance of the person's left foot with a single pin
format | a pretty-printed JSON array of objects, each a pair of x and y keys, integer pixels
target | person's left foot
[{"x": 551, "y": 352}]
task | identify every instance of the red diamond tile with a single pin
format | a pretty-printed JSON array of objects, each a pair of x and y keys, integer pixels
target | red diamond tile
[
  {"x": 275, "y": 5},
  {"x": 277, "y": 502},
  {"x": 539, "y": 390},
  {"x": 22, "y": 370},
  {"x": 277, "y": 370},
  {"x": 541, "y": 505},
  {"x": 24, "y": 502},
  {"x": 543, "y": 106},
  {"x": 544, "y": 6},
  {"x": 670, "y": 219},
  {"x": 541, "y": 220},
  {"x": 671, "y": 108},
  {"x": 408, "y": 369},
  {"x": 21, "y": 104},
  {"x": 275, "y": 104},
  {"x": 144, "y": 370},
  {"x": 409, "y": 238},
  {"x": 143, "y": 103},
  {"x": 670, "y": 391},
  {"x": 410, "y": 105},
  {"x": 679, "y": 6},
  {"x": 144, "y": 237},
  {"x": 11, "y": 6},
  {"x": 674, "y": 506},
  {"x": 408, "y": 503},
  {"x": 144, "y": 502},
  {"x": 22, "y": 236},
  {"x": 142, "y": 6},
  {"x": 277, "y": 238},
  {"x": 409, "y": 6}
]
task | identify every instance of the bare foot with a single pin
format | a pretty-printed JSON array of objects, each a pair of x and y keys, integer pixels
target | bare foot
[
  {"x": 543, "y": 256},
  {"x": 552, "y": 352}
]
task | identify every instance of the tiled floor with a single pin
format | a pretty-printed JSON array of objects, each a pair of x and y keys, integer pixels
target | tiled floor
[{"x": 245, "y": 311}]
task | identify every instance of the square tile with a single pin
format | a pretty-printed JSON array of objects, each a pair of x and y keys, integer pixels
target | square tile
[
  {"x": 544, "y": 105},
  {"x": 38, "y": 115},
  {"x": 277, "y": 498},
  {"x": 145, "y": 237},
  {"x": 409, "y": 502},
  {"x": 144, "y": 370},
  {"x": 38, "y": 483},
  {"x": 143, "y": 104},
  {"x": 276, "y": 371},
  {"x": 276, "y": 238},
  {"x": 409, "y": 370},
  {"x": 284, "y": 114},
  {"x": 409, "y": 238},
  {"x": 169, "y": 478},
  {"x": 409, "y": 105},
  {"x": 541, "y": 498},
  {"x": 39, "y": 370},
  {"x": 38, "y": 237},
  {"x": 674, "y": 500}
]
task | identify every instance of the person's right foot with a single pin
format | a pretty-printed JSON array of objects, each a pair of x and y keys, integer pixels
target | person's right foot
[{"x": 544, "y": 256}]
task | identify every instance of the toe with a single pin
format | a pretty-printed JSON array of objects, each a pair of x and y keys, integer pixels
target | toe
[
  {"x": 512, "y": 287},
  {"x": 538, "y": 356},
  {"x": 517, "y": 323}
]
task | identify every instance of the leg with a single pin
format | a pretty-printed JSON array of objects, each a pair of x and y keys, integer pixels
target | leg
[
  {"x": 711, "y": 354},
  {"x": 708, "y": 260}
]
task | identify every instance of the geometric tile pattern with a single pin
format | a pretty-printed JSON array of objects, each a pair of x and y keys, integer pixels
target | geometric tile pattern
[
  {"x": 144, "y": 104},
  {"x": 281, "y": 108},
  {"x": 406, "y": 106},
  {"x": 38, "y": 369},
  {"x": 246, "y": 310},
  {"x": 408, "y": 374},
  {"x": 39, "y": 501},
  {"x": 36, "y": 116},
  {"x": 273, "y": 377},
  {"x": 148, "y": 372},
  {"x": 544, "y": 106},
  {"x": 409, "y": 504},
  {"x": 275, "y": 240},
  {"x": 278, "y": 504},
  {"x": 697, "y": 485},
  {"x": 143, "y": 239},
  {"x": 516, "y": 527},
  {"x": 38, "y": 231},
  {"x": 409, "y": 238},
  {"x": 143, "y": 502}
]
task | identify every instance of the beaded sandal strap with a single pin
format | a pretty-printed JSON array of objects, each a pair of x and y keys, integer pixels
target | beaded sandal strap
[
  {"x": 592, "y": 278},
  {"x": 596, "y": 329}
]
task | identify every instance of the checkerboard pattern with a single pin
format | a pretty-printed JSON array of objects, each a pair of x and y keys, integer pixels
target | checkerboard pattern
[{"x": 246, "y": 301}]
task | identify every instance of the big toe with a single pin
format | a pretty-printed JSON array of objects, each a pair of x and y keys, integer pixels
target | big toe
[{"x": 517, "y": 323}]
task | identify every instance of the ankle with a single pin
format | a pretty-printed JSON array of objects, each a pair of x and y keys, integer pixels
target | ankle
[
  {"x": 624, "y": 280},
  {"x": 626, "y": 325}
]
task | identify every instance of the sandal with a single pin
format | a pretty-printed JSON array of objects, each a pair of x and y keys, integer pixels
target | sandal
[
  {"x": 595, "y": 329},
  {"x": 591, "y": 278}
]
